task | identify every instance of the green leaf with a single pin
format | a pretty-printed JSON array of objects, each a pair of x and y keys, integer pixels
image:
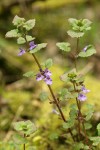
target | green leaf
[
  {"x": 89, "y": 51},
  {"x": 98, "y": 128},
  {"x": 17, "y": 21},
  {"x": 72, "y": 21},
  {"x": 69, "y": 123},
  {"x": 28, "y": 25},
  {"x": 88, "y": 126},
  {"x": 73, "y": 113},
  {"x": 96, "y": 140},
  {"x": 48, "y": 63},
  {"x": 29, "y": 38},
  {"x": 64, "y": 94},
  {"x": 89, "y": 115},
  {"x": 64, "y": 46},
  {"x": 86, "y": 24},
  {"x": 18, "y": 139},
  {"x": 29, "y": 74},
  {"x": 78, "y": 146},
  {"x": 53, "y": 136},
  {"x": 38, "y": 47},
  {"x": 26, "y": 127},
  {"x": 75, "y": 34},
  {"x": 21, "y": 40},
  {"x": 12, "y": 34},
  {"x": 43, "y": 96}
]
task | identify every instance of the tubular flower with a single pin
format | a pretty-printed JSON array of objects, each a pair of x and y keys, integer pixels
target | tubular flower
[
  {"x": 32, "y": 45},
  {"x": 44, "y": 75},
  {"x": 22, "y": 51}
]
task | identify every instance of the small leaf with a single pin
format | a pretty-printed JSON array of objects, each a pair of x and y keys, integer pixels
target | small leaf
[
  {"x": 21, "y": 40},
  {"x": 29, "y": 74},
  {"x": 88, "y": 126},
  {"x": 18, "y": 139},
  {"x": 25, "y": 127},
  {"x": 98, "y": 128},
  {"x": 28, "y": 25},
  {"x": 75, "y": 34},
  {"x": 38, "y": 47},
  {"x": 29, "y": 38},
  {"x": 48, "y": 63},
  {"x": 64, "y": 46},
  {"x": 88, "y": 116},
  {"x": 96, "y": 140},
  {"x": 12, "y": 34},
  {"x": 86, "y": 24},
  {"x": 53, "y": 136},
  {"x": 72, "y": 21},
  {"x": 90, "y": 51},
  {"x": 17, "y": 21},
  {"x": 43, "y": 96}
]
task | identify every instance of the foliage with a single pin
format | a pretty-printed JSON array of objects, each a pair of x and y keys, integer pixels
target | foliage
[{"x": 77, "y": 91}]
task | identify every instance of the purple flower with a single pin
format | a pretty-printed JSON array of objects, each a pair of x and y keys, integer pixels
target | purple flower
[
  {"x": 39, "y": 77},
  {"x": 48, "y": 80},
  {"x": 84, "y": 90},
  {"x": 85, "y": 48},
  {"x": 47, "y": 72},
  {"x": 82, "y": 97},
  {"x": 32, "y": 45},
  {"x": 22, "y": 51}
]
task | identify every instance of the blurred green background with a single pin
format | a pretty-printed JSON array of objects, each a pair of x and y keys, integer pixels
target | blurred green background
[{"x": 19, "y": 97}]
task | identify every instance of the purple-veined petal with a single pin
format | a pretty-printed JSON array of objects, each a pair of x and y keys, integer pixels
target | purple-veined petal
[
  {"x": 32, "y": 45},
  {"x": 82, "y": 97},
  {"x": 22, "y": 51},
  {"x": 39, "y": 77}
]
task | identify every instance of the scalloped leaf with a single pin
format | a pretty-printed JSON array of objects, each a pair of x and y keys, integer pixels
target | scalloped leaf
[
  {"x": 38, "y": 47},
  {"x": 29, "y": 38},
  {"x": 21, "y": 40},
  {"x": 29, "y": 74},
  {"x": 75, "y": 34},
  {"x": 18, "y": 21},
  {"x": 12, "y": 34},
  {"x": 28, "y": 25},
  {"x": 89, "y": 51},
  {"x": 48, "y": 63},
  {"x": 64, "y": 46},
  {"x": 72, "y": 21}
]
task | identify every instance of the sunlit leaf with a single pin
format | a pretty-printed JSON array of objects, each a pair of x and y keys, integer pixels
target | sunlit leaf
[
  {"x": 21, "y": 40},
  {"x": 38, "y": 47},
  {"x": 12, "y": 34},
  {"x": 29, "y": 74},
  {"x": 89, "y": 51},
  {"x": 28, "y": 25},
  {"x": 18, "y": 21},
  {"x": 75, "y": 34},
  {"x": 65, "y": 46}
]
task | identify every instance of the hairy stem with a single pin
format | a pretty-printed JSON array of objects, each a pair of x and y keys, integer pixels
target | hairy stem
[
  {"x": 55, "y": 99},
  {"x": 24, "y": 146},
  {"x": 51, "y": 91},
  {"x": 80, "y": 116}
]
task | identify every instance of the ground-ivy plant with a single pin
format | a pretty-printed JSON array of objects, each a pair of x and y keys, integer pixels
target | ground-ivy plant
[{"x": 78, "y": 124}]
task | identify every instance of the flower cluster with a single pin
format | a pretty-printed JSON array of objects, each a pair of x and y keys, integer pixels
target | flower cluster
[
  {"x": 32, "y": 45},
  {"x": 81, "y": 95},
  {"x": 44, "y": 75}
]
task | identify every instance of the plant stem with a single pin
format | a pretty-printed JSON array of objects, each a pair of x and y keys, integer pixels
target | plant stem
[
  {"x": 80, "y": 116},
  {"x": 51, "y": 91},
  {"x": 77, "y": 51},
  {"x": 55, "y": 99},
  {"x": 24, "y": 146}
]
